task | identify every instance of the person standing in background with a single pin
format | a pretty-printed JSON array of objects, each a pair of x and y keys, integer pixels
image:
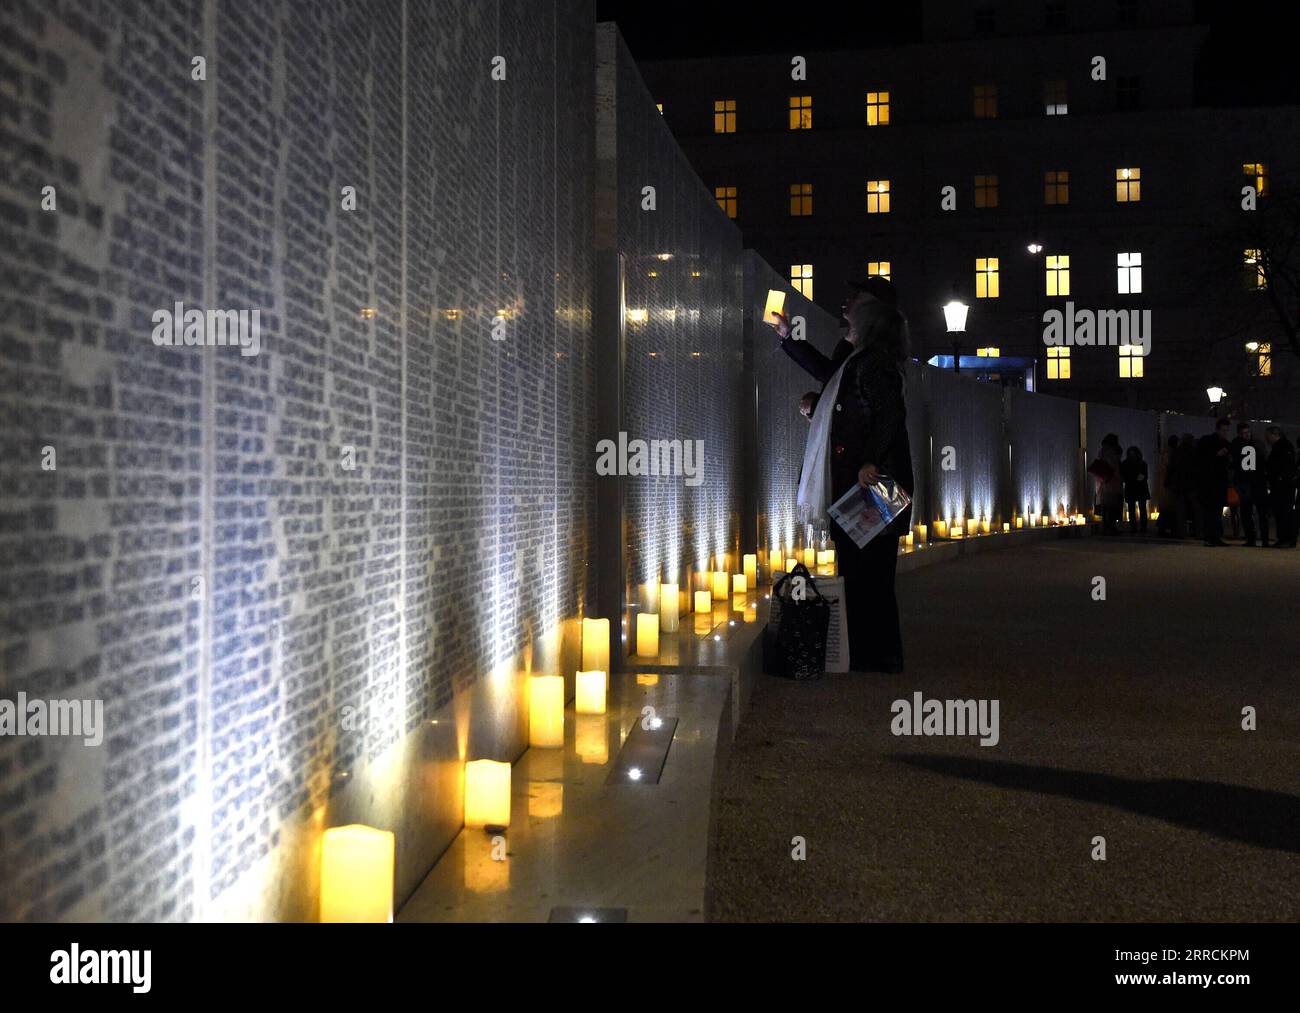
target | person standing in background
[
  {"x": 1133, "y": 471},
  {"x": 1280, "y": 468},
  {"x": 1251, "y": 485},
  {"x": 1110, "y": 485},
  {"x": 1214, "y": 475}
]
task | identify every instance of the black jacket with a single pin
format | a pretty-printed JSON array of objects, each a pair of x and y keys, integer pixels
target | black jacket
[
  {"x": 1281, "y": 467},
  {"x": 1214, "y": 470},
  {"x": 870, "y": 422}
]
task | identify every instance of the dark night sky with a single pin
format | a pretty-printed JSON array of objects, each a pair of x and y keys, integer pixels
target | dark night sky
[{"x": 1249, "y": 58}]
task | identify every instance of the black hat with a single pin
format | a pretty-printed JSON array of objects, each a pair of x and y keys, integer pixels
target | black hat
[{"x": 875, "y": 285}]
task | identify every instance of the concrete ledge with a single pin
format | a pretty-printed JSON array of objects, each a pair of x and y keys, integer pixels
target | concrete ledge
[{"x": 575, "y": 841}]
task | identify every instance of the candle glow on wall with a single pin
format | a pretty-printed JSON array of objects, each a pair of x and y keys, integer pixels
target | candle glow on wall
[{"x": 357, "y": 874}]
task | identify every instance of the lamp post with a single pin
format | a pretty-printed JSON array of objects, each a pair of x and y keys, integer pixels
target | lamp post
[
  {"x": 954, "y": 314},
  {"x": 1216, "y": 395},
  {"x": 1034, "y": 248}
]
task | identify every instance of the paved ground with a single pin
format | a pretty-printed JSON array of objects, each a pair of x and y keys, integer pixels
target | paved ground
[{"x": 1119, "y": 719}]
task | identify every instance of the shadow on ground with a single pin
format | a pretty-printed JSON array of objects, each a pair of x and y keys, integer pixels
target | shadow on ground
[{"x": 1265, "y": 819}]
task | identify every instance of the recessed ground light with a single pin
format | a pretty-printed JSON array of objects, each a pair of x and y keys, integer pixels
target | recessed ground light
[
  {"x": 716, "y": 637},
  {"x": 732, "y": 623},
  {"x": 657, "y": 723},
  {"x": 634, "y": 774}
]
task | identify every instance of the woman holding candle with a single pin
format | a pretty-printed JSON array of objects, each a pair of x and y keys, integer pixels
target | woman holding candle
[{"x": 859, "y": 433}]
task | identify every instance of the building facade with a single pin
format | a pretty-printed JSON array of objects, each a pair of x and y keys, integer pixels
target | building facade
[{"x": 1022, "y": 157}]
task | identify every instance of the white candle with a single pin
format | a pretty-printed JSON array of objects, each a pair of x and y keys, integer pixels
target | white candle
[
  {"x": 487, "y": 794},
  {"x": 356, "y": 874},
  {"x": 669, "y": 607},
  {"x": 595, "y": 645},
  {"x": 546, "y": 711},
  {"x": 589, "y": 694},
  {"x": 647, "y": 635}
]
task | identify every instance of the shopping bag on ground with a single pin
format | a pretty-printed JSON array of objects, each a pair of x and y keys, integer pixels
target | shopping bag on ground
[{"x": 794, "y": 643}]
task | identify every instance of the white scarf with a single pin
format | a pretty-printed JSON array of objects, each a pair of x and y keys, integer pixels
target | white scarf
[{"x": 815, "y": 482}]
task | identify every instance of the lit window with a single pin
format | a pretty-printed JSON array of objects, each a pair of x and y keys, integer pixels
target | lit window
[
  {"x": 724, "y": 116},
  {"x": 986, "y": 191},
  {"x": 1257, "y": 175},
  {"x": 1130, "y": 273},
  {"x": 1056, "y": 186},
  {"x": 660, "y": 107},
  {"x": 801, "y": 197},
  {"x": 1128, "y": 185},
  {"x": 877, "y": 196},
  {"x": 1130, "y": 362},
  {"x": 801, "y": 279},
  {"x": 992, "y": 352},
  {"x": 800, "y": 112},
  {"x": 879, "y": 269},
  {"x": 1261, "y": 358},
  {"x": 877, "y": 108},
  {"x": 1058, "y": 362},
  {"x": 986, "y": 278},
  {"x": 727, "y": 199},
  {"x": 1056, "y": 100},
  {"x": 986, "y": 101},
  {"x": 1254, "y": 276},
  {"x": 1058, "y": 275}
]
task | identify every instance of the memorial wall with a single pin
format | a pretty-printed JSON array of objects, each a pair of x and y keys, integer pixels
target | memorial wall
[{"x": 297, "y": 539}]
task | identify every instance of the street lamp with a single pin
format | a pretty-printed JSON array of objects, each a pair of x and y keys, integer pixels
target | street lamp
[
  {"x": 954, "y": 314},
  {"x": 1215, "y": 394},
  {"x": 1035, "y": 248}
]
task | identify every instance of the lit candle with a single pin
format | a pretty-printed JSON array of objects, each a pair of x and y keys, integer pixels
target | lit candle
[
  {"x": 776, "y": 562},
  {"x": 940, "y": 529},
  {"x": 703, "y": 602},
  {"x": 1020, "y": 522},
  {"x": 356, "y": 874},
  {"x": 985, "y": 527},
  {"x": 751, "y": 569},
  {"x": 487, "y": 794},
  {"x": 956, "y": 532},
  {"x": 908, "y": 539},
  {"x": 546, "y": 711},
  {"x": 830, "y": 557},
  {"x": 589, "y": 694},
  {"x": 1005, "y": 527},
  {"x": 595, "y": 645},
  {"x": 922, "y": 534},
  {"x": 720, "y": 585},
  {"x": 647, "y": 635},
  {"x": 739, "y": 583},
  {"x": 810, "y": 557},
  {"x": 669, "y": 607},
  {"x": 971, "y": 527},
  {"x": 791, "y": 561}
]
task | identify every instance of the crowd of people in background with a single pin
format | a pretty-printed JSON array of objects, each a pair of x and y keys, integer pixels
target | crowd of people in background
[{"x": 1197, "y": 479}]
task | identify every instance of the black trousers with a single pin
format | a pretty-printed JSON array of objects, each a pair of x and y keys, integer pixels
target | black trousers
[
  {"x": 870, "y": 605},
  {"x": 1211, "y": 510},
  {"x": 1137, "y": 508},
  {"x": 1253, "y": 501}
]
